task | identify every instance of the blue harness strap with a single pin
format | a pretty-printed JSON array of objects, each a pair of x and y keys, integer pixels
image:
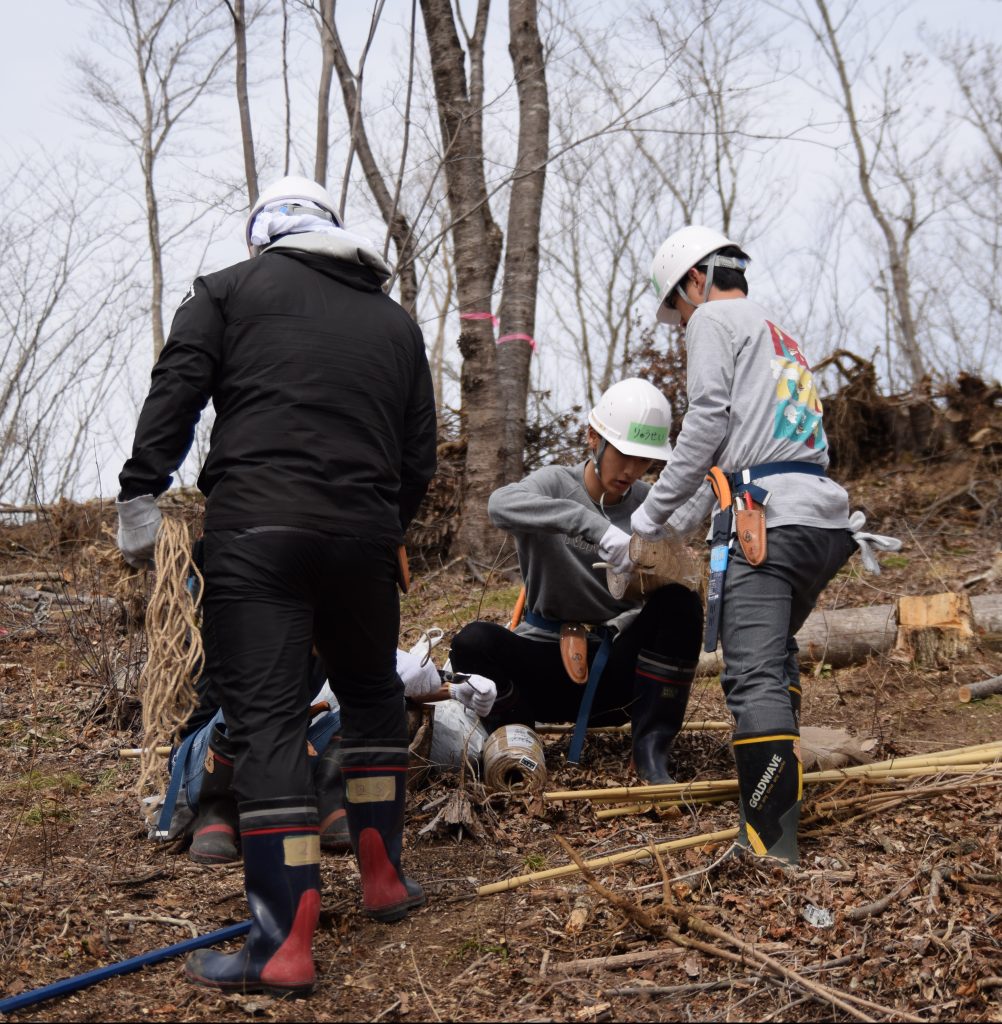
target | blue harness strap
[
  {"x": 584, "y": 711},
  {"x": 550, "y": 625},
  {"x": 594, "y": 675},
  {"x": 176, "y": 778},
  {"x": 741, "y": 481}
]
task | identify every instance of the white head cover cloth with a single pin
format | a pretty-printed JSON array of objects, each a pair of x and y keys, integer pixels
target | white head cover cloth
[{"x": 271, "y": 222}]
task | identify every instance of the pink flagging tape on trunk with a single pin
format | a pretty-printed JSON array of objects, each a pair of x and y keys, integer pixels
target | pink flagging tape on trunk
[
  {"x": 519, "y": 337},
  {"x": 480, "y": 316}
]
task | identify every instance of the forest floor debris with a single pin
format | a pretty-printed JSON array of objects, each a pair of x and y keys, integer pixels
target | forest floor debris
[{"x": 894, "y": 913}]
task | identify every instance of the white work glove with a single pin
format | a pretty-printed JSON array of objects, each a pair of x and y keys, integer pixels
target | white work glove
[
  {"x": 478, "y": 693},
  {"x": 138, "y": 522},
  {"x": 866, "y": 542},
  {"x": 642, "y": 524},
  {"x": 614, "y": 550},
  {"x": 420, "y": 677}
]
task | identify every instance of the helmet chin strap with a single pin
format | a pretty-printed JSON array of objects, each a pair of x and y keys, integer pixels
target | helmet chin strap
[
  {"x": 710, "y": 264},
  {"x": 727, "y": 262},
  {"x": 595, "y": 464}
]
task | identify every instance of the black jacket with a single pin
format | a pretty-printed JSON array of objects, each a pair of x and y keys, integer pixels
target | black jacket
[{"x": 325, "y": 412}]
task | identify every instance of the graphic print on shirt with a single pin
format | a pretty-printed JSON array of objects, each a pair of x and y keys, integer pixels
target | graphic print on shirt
[{"x": 798, "y": 408}]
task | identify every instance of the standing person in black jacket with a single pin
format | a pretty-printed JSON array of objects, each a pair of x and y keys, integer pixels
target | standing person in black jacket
[{"x": 322, "y": 448}]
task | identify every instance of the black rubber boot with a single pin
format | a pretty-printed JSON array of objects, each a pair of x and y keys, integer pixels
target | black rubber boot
[
  {"x": 770, "y": 782},
  {"x": 329, "y": 782},
  {"x": 214, "y": 839},
  {"x": 660, "y": 696},
  {"x": 282, "y": 879},
  {"x": 375, "y": 773}
]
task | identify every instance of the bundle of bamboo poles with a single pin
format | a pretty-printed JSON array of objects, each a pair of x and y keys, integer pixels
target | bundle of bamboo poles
[
  {"x": 693, "y": 725},
  {"x": 958, "y": 761},
  {"x": 972, "y": 766}
]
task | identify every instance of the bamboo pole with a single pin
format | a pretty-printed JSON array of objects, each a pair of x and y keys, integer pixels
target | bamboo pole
[
  {"x": 626, "y": 857},
  {"x": 708, "y": 725},
  {"x": 728, "y": 789},
  {"x": 717, "y": 787},
  {"x": 132, "y": 752},
  {"x": 961, "y": 755}
]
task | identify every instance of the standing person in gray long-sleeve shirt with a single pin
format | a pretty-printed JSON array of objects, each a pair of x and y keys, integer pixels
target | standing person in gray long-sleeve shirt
[
  {"x": 564, "y": 519},
  {"x": 754, "y": 412}
]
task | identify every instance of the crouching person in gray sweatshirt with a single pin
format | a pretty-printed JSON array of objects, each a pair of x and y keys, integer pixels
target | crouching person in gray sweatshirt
[
  {"x": 564, "y": 519},
  {"x": 754, "y": 414}
]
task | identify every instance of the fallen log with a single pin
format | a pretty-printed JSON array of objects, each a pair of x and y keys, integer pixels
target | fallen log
[
  {"x": 974, "y": 691},
  {"x": 846, "y": 636}
]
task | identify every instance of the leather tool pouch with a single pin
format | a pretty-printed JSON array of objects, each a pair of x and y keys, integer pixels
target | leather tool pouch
[
  {"x": 574, "y": 651},
  {"x": 749, "y": 525}
]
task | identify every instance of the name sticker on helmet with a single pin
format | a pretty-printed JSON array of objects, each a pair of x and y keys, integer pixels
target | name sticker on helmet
[{"x": 644, "y": 433}]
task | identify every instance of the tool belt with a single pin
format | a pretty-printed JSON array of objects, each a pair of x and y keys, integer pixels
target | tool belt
[
  {"x": 742, "y": 507},
  {"x": 577, "y": 645},
  {"x": 750, "y": 501},
  {"x": 573, "y": 642}
]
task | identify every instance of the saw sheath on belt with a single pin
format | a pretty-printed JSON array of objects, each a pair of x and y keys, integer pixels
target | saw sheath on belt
[
  {"x": 574, "y": 651},
  {"x": 749, "y": 524}
]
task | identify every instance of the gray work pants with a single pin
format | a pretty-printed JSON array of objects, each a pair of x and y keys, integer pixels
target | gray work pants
[{"x": 762, "y": 610}]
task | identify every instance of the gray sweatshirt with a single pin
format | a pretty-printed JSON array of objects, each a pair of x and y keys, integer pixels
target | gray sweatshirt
[
  {"x": 752, "y": 399},
  {"x": 557, "y": 529}
]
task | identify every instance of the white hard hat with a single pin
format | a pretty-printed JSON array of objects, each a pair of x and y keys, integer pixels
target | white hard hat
[
  {"x": 293, "y": 188},
  {"x": 685, "y": 249},
  {"x": 634, "y": 417}
]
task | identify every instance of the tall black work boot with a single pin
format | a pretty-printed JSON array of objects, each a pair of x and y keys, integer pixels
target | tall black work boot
[
  {"x": 214, "y": 839},
  {"x": 282, "y": 880},
  {"x": 770, "y": 783},
  {"x": 375, "y": 774},
  {"x": 660, "y": 696},
  {"x": 328, "y": 779}
]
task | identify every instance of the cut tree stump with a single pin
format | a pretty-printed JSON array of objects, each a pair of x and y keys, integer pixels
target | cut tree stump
[
  {"x": 934, "y": 630},
  {"x": 974, "y": 691}
]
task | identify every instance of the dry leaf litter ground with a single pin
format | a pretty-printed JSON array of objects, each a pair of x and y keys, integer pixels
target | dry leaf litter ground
[{"x": 899, "y": 912}]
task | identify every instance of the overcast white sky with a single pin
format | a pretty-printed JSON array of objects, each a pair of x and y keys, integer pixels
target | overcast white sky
[{"x": 36, "y": 82}]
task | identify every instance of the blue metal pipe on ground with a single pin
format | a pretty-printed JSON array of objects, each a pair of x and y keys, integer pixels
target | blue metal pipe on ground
[{"x": 68, "y": 985}]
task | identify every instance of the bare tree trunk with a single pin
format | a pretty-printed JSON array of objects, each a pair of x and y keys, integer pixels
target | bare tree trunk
[
  {"x": 156, "y": 251},
  {"x": 285, "y": 86},
  {"x": 476, "y": 245},
  {"x": 177, "y": 60},
  {"x": 437, "y": 358},
  {"x": 897, "y": 252},
  {"x": 521, "y": 267},
  {"x": 324, "y": 90},
  {"x": 243, "y": 103},
  {"x": 397, "y": 224},
  {"x": 147, "y": 162}
]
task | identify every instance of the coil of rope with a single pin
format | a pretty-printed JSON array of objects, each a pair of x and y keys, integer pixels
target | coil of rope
[{"x": 174, "y": 650}]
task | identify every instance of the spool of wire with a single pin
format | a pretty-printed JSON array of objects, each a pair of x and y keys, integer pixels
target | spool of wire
[{"x": 514, "y": 761}]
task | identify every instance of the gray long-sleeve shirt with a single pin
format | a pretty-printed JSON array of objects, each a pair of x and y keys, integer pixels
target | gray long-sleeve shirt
[
  {"x": 557, "y": 528},
  {"x": 752, "y": 399}
]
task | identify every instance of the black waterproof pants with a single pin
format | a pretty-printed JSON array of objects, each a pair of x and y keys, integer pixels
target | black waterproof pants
[
  {"x": 533, "y": 685},
  {"x": 270, "y": 593}
]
